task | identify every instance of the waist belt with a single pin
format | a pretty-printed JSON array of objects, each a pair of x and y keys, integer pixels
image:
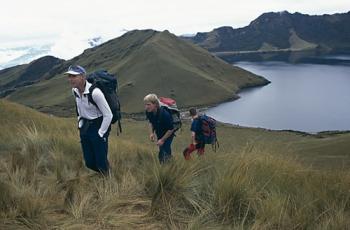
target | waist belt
[
  {"x": 93, "y": 121},
  {"x": 90, "y": 123}
]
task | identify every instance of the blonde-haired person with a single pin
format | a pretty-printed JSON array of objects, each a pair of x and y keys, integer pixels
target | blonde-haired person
[{"x": 161, "y": 126}]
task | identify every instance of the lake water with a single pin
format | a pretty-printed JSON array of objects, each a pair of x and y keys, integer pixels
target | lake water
[{"x": 306, "y": 97}]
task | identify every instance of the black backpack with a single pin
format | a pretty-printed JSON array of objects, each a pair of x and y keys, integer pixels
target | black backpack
[
  {"x": 208, "y": 131},
  {"x": 108, "y": 84}
]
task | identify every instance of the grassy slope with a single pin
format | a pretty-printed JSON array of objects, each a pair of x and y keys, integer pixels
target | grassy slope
[
  {"x": 296, "y": 43},
  {"x": 17, "y": 76},
  {"x": 51, "y": 96},
  {"x": 317, "y": 151},
  {"x": 11, "y": 74},
  {"x": 322, "y": 150},
  {"x": 252, "y": 181},
  {"x": 148, "y": 61}
]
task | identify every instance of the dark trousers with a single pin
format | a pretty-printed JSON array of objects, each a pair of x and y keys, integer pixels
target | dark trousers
[
  {"x": 94, "y": 147},
  {"x": 165, "y": 150},
  {"x": 199, "y": 147}
]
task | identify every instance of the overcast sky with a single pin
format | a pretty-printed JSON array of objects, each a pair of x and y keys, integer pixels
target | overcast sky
[{"x": 67, "y": 21}]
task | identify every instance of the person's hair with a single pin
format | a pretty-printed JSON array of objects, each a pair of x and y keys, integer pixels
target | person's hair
[
  {"x": 151, "y": 98},
  {"x": 193, "y": 111}
]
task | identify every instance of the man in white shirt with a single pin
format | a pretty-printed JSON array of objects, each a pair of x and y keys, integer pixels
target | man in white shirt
[{"x": 94, "y": 122}]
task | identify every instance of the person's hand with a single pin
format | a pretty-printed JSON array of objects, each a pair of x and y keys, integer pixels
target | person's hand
[
  {"x": 102, "y": 136},
  {"x": 152, "y": 137},
  {"x": 80, "y": 123},
  {"x": 160, "y": 142}
]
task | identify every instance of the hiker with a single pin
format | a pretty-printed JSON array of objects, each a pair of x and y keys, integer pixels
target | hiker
[
  {"x": 197, "y": 142},
  {"x": 161, "y": 126},
  {"x": 94, "y": 122}
]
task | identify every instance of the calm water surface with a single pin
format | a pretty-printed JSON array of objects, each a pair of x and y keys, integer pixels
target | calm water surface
[{"x": 305, "y": 97}]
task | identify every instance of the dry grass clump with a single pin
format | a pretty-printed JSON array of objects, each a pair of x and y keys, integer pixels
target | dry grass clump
[{"x": 45, "y": 185}]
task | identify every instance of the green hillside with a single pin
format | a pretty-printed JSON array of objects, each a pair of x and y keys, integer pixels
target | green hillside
[
  {"x": 27, "y": 74},
  {"x": 322, "y": 150},
  {"x": 258, "y": 179},
  {"x": 146, "y": 61}
]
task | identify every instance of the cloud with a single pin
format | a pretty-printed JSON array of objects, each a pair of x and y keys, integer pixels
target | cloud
[
  {"x": 68, "y": 46},
  {"x": 39, "y": 17},
  {"x": 68, "y": 24}
]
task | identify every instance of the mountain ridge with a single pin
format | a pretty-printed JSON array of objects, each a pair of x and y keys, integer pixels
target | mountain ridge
[
  {"x": 276, "y": 29},
  {"x": 145, "y": 61},
  {"x": 27, "y": 74}
]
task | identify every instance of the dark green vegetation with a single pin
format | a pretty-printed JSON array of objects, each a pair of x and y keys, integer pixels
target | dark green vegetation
[
  {"x": 144, "y": 61},
  {"x": 281, "y": 31},
  {"x": 258, "y": 179},
  {"x": 19, "y": 76}
]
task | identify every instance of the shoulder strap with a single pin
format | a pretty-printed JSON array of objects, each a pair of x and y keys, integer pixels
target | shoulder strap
[
  {"x": 75, "y": 93},
  {"x": 91, "y": 100},
  {"x": 160, "y": 114},
  {"x": 75, "y": 102},
  {"x": 120, "y": 128},
  {"x": 215, "y": 145},
  {"x": 200, "y": 120},
  {"x": 76, "y": 109}
]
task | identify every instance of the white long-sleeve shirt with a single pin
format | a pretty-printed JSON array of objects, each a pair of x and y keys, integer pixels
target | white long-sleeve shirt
[{"x": 89, "y": 111}]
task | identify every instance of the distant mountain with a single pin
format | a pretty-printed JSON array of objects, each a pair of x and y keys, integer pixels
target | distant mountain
[
  {"x": 145, "y": 61},
  {"x": 19, "y": 76},
  {"x": 281, "y": 31}
]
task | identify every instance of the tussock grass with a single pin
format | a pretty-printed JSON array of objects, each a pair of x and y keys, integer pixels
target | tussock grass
[{"x": 45, "y": 185}]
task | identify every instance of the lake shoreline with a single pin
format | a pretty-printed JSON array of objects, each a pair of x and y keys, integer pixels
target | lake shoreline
[
  {"x": 321, "y": 134},
  {"x": 290, "y": 104}
]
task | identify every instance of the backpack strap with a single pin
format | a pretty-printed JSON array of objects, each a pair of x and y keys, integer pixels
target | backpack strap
[
  {"x": 160, "y": 114},
  {"x": 215, "y": 145},
  {"x": 76, "y": 107},
  {"x": 90, "y": 99},
  {"x": 119, "y": 130},
  {"x": 75, "y": 103},
  {"x": 200, "y": 123}
]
